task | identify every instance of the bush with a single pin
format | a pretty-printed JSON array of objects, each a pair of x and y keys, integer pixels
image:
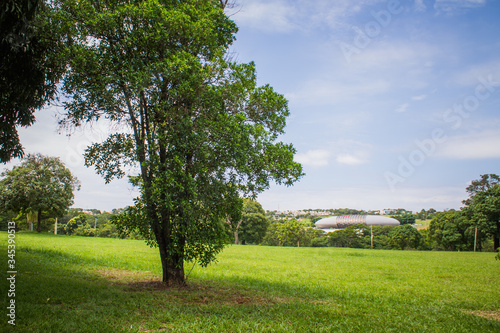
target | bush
[
  {"x": 319, "y": 242},
  {"x": 84, "y": 230}
]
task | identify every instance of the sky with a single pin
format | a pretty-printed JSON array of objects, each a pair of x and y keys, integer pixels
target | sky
[{"x": 393, "y": 104}]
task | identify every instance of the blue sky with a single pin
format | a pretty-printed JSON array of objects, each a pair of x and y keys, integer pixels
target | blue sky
[{"x": 394, "y": 104}]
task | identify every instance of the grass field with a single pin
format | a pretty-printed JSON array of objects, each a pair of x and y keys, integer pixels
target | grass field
[{"x": 76, "y": 284}]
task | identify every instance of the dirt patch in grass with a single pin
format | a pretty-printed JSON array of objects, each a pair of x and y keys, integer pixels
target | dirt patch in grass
[
  {"x": 204, "y": 293},
  {"x": 115, "y": 275},
  {"x": 194, "y": 293},
  {"x": 491, "y": 315}
]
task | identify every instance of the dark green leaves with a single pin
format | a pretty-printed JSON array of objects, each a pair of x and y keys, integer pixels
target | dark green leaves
[{"x": 39, "y": 183}]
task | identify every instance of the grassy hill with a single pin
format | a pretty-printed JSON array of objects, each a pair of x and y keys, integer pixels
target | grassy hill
[{"x": 77, "y": 284}]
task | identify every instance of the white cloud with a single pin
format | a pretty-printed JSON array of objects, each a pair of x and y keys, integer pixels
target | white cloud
[
  {"x": 451, "y": 6},
  {"x": 419, "y": 97},
  {"x": 271, "y": 16},
  {"x": 472, "y": 76},
  {"x": 395, "y": 54},
  {"x": 485, "y": 145},
  {"x": 402, "y": 107},
  {"x": 322, "y": 91},
  {"x": 349, "y": 159},
  {"x": 287, "y": 16},
  {"x": 316, "y": 158}
]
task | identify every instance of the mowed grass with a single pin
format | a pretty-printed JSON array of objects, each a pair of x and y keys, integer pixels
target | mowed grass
[{"x": 78, "y": 284}]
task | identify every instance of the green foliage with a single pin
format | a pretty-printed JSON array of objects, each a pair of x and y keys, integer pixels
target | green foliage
[
  {"x": 484, "y": 212},
  {"x": 29, "y": 70},
  {"x": 452, "y": 230},
  {"x": 405, "y": 237},
  {"x": 40, "y": 185},
  {"x": 84, "y": 230},
  {"x": 426, "y": 214},
  {"x": 405, "y": 218},
  {"x": 254, "y": 223},
  {"x": 291, "y": 233},
  {"x": 75, "y": 223},
  {"x": 321, "y": 241},
  {"x": 481, "y": 185},
  {"x": 349, "y": 237}
]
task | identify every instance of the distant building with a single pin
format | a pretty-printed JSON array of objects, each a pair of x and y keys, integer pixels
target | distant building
[{"x": 334, "y": 223}]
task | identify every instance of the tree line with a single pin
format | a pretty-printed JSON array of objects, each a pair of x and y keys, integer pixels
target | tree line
[{"x": 40, "y": 189}]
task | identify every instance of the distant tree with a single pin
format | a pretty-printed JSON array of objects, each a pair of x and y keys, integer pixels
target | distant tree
[
  {"x": 348, "y": 211},
  {"x": 271, "y": 238},
  {"x": 480, "y": 185},
  {"x": 405, "y": 218},
  {"x": 41, "y": 185},
  {"x": 75, "y": 223},
  {"x": 293, "y": 232},
  {"x": 422, "y": 215},
  {"x": 351, "y": 236},
  {"x": 29, "y": 69},
  {"x": 315, "y": 219},
  {"x": 484, "y": 212},
  {"x": 290, "y": 233},
  {"x": 319, "y": 241},
  {"x": 452, "y": 230},
  {"x": 6, "y": 217},
  {"x": 404, "y": 236},
  {"x": 254, "y": 223},
  {"x": 380, "y": 237}
]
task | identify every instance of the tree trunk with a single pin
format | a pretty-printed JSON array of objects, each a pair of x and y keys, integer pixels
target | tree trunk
[
  {"x": 236, "y": 237},
  {"x": 172, "y": 265},
  {"x": 236, "y": 233},
  {"x": 39, "y": 221},
  {"x": 173, "y": 270}
]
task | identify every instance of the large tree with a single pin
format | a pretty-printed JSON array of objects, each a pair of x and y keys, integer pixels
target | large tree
[
  {"x": 195, "y": 124},
  {"x": 452, "y": 230},
  {"x": 30, "y": 68},
  {"x": 480, "y": 185},
  {"x": 404, "y": 236},
  {"x": 40, "y": 185},
  {"x": 484, "y": 211}
]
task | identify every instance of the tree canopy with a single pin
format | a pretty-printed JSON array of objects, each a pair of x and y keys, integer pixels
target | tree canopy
[
  {"x": 40, "y": 185},
  {"x": 194, "y": 124},
  {"x": 484, "y": 211},
  {"x": 252, "y": 226},
  {"x": 404, "y": 236},
  {"x": 29, "y": 70}
]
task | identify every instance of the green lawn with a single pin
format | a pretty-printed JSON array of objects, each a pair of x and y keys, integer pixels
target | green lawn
[{"x": 77, "y": 284}]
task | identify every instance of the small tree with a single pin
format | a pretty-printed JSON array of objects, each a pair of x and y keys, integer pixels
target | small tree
[
  {"x": 404, "y": 236},
  {"x": 349, "y": 237},
  {"x": 40, "y": 185},
  {"x": 75, "y": 223},
  {"x": 254, "y": 223}
]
